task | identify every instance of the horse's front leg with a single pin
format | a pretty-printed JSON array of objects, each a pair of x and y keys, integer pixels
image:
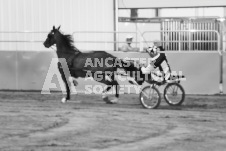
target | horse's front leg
[
  {"x": 66, "y": 81},
  {"x": 73, "y": 84}
]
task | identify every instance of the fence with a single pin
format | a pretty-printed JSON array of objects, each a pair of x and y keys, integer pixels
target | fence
[
  {"x": 27, "y": 70},
  {"x": 193, "y": 40},
  {"x": 174, "y": 40},
  {"x": 105, "y": 41},
  {"x": 84, "y": 40},
  {"x": 224, "y": 42},
  {"x": 22, "y": 40},
  {"x": 188, "y": 31}
]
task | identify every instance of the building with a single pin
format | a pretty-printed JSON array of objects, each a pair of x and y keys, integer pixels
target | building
[{"x": 93, "y": 23}]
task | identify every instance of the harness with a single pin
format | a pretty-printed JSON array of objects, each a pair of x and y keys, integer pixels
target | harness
[{"x": 70, "y": 57}]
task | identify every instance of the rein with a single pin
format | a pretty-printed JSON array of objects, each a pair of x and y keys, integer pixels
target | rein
[{"x": 53, "y": 48}]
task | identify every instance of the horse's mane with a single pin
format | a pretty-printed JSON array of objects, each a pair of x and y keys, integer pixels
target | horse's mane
[{"x": 68, "y": 41}]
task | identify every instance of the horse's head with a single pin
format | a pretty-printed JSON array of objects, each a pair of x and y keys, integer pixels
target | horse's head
[{"x": 51, "y": 37}]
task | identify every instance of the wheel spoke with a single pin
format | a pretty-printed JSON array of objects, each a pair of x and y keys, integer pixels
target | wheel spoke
[
  {"x": 174, "y": 94},
  {"x": 150, "y": 97}
]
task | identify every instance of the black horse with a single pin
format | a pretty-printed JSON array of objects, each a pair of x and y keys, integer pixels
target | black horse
[{"x": 80, "y": 64}]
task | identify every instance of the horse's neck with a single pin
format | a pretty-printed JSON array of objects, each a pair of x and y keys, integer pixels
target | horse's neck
[{"x": 63, "y": 49}]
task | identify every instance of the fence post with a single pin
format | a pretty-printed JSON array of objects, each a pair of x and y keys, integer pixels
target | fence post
[
  {"x": 221, "y": 54},
  {"x": 16, "y": 63}
]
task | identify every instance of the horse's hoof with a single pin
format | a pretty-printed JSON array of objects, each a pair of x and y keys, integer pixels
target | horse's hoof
[
  {"x": 105, "y": 99},
  {"x": 75, "y": 82},
  {"x": 104, "y": 95},
  {"x": 114, "y": 101},
  {"x": 64, "y": 100}
]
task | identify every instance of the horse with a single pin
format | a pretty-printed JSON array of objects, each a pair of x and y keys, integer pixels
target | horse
[{"x": 77, "y": 64}]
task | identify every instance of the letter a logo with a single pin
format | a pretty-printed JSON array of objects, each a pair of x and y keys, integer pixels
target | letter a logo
[{"x": 53, "y": 70}]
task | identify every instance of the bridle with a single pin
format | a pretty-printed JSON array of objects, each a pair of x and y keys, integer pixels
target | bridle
[{"x": 52, "y": 47}]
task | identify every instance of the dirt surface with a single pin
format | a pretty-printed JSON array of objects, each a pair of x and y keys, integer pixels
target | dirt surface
[{"x": 32, "y": 121}]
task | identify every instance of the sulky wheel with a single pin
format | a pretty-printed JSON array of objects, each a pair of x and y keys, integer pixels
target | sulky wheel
[
  {"x": 174, "y": 94},
  {"x": 150, "y": 97}
]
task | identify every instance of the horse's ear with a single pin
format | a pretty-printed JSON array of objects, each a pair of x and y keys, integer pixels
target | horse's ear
[
  {"x": 54, "y": 28},
  {"x": 58, "y": 28}
]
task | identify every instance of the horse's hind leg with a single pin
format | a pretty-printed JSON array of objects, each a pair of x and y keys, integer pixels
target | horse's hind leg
[
  {"x": 104, "y": 96},
  {"x": 115, "y": 83},
  {"x": 116, "y": 88},
  {"x": 110, "y": 83}
]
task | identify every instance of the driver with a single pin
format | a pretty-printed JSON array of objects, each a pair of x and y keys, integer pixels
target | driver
[{"x": 158, "y": 60}]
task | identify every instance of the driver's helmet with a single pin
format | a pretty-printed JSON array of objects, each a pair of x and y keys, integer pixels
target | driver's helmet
[
  {"x": 152, "y": 49},
  {"x": 157, "y": 43},
  {"x": 129, "y": 38}
]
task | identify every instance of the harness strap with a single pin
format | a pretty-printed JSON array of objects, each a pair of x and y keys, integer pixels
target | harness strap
[{"x": 71, "y": 59}]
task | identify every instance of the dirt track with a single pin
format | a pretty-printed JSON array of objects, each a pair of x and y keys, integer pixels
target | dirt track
[{"x": 31, "y": 121}]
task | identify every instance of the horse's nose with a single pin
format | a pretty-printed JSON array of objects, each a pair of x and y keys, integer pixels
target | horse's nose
[{"x": 44, "y": 43}]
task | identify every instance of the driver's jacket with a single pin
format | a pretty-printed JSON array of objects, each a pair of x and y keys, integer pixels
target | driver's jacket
[
  {"x": 161, "y": 57},
  {"x": 160, "y": 61}
]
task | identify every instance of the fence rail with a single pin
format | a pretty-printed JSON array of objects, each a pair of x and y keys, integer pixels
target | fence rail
[
  {"x": 195, "y": 40},
  {"x": 186, "y": 44}
]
